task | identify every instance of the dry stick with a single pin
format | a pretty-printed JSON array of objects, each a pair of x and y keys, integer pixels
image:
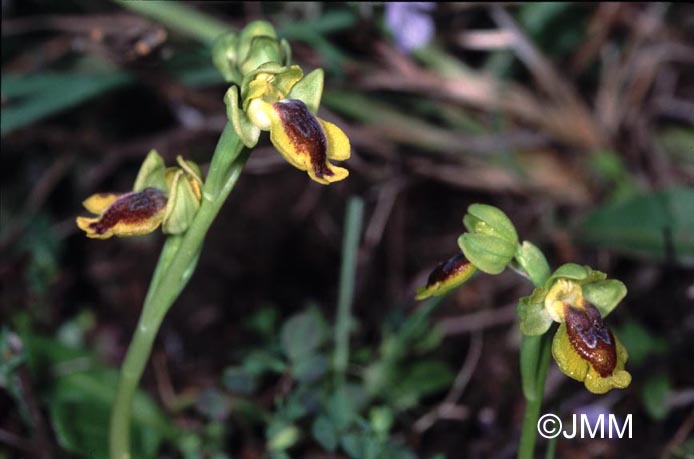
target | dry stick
[
  {"x": 679, "y": 437},
  {"x": 485, "y": 91},
  {"x": 449, "y": 403},
  {"x": 563, "y": 94},
  {"x": 478, "y": 321}
]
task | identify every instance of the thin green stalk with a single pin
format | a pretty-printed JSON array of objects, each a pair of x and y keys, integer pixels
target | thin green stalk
[
  {"x": 350, "y": 247},
  {"x": 526, "y": 449},
  {"x": 535, "y": 353},
  {"x": 174, "y": 268}
]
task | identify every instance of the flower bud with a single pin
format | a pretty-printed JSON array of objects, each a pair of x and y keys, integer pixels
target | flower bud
[
  {"x": 225, "y": 57},
  {"x": 447, "y": 276},
  {"x": 249, "y": 33},
  {"x": 491, "y": 241},
  {"x": 262, "y": 51},
  {"x": 185, "y": 195}
]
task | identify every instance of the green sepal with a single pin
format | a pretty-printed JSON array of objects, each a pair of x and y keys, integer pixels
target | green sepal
[
  {"x": 183, "y": 203},
  {"x": 225, "y": 57},
  {"x": 286, "y": 52},
  {"x": 251, "y": 31},
  {"x": 605, "y": 295},
  {"x": 489, "y": 254},
  {"x": 263, "y": 50},
  {"x": 246, "y": 130},
  {"x": 490, "y": 221},
  {"x": 534, "y": 319},
  {"x": 152, "y": 173},
  {"x": 309, "y": 90}
]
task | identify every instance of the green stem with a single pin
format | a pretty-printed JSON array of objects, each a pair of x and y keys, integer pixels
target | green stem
[
  {"x": 175, "y": 267},
  {"x": 526, "y": 449},
  {"x": 343, "y": 325},
  {"x": 535, "y": 352}
]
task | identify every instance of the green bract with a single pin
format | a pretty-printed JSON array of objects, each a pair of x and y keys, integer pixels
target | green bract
[
  {"x": 182, "y": 185},
  {"x": 604, "y": 294},
  {"x": 152, "y": 173},
  {"x": 185, "y": 194},
  {"x": 491, "y": 241},
  {"x": 533, "y": 262},
  {"x": 225, "y": 56}
]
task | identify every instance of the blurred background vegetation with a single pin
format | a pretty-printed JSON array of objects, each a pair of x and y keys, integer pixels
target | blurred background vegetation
[{"x": 576, "y": 119}]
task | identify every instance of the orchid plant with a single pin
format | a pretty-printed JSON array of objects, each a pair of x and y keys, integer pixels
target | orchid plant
[
  {"x": 267, "y": 93},
  {"x": 575, "y": 297},
  {"x": 563, "y": 317}
]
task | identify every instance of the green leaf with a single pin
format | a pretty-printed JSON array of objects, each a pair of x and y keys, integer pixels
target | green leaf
[
  {"x": 263, "y": 322},
  {"x": 419, "y": 380},
  {"x": 239, "y": 381},
  {"x": 325, "y": 433},
  {"x": 302, "y": 335},
  {"x": 45, "y": 94},
  {"x": 341, "y": 409},
  {"x": 81, "y": 394},
  {"x": 311, "y": 368},
  {"x": 80, "y": 410},
  {"x": 381, "y": 419},
  {"x": 656, "y": 226},
  {"x": 282, "y": 435},
  {"x": 640, "y": 342},
  {"x": 261, "y": 361},
  {"x": 654, "y": 395},
  {"x": 353, "y": 444}
]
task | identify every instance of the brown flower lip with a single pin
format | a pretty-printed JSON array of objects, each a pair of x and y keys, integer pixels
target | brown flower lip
[
  {"x": 305, "y": 133},
  {"x": 131, "y": 208},
  {"x": 447, "y": 269},
  {"x": 591, "y": 338}
]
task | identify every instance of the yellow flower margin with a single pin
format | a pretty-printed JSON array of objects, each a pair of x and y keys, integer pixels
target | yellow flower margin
[{"x": 574, "y": 366}]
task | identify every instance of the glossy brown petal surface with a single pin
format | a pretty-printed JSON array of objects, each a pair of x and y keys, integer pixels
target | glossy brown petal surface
[
  {"x": 591, "y": 338},
  {"x": 305, "y": 134}
]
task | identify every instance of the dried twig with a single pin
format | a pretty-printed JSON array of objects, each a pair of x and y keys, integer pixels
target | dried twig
[
  {"x": 449, "y": 407},
  {"x": 477, "y": 321}
]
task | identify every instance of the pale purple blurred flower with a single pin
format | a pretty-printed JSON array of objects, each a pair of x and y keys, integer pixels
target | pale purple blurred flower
[
  {"x": 594, "y": 412},
  {"x": 411, "y": 24}
]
